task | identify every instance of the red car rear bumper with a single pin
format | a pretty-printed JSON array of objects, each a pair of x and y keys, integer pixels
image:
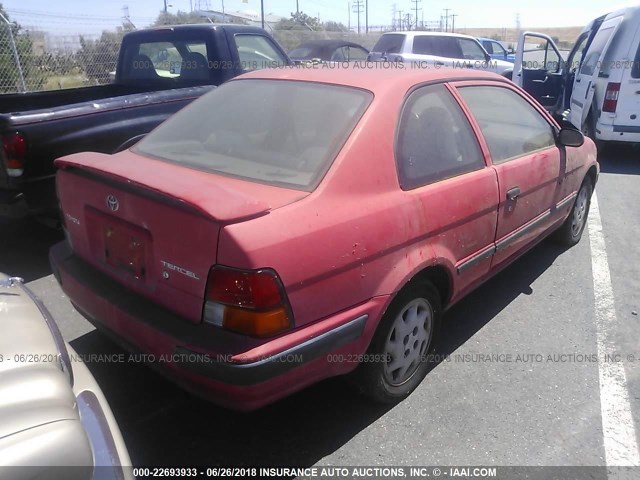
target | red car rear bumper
[{"x": 228, "y": 369}]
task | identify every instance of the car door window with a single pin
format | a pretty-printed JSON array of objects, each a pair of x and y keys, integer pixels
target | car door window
[
  {"x": 635, "y": 69},
  {"x": 435, "y": 139},
  {"x": 471, "y": 50},
  {"x": 511, "y": 126},
  {"x": 256, "y": 52},
  {"x": 339, "y": 55},
  {"x": 592, "y": 57},
  {"x": 356, "y": 54},
  {"x": 498, "y": 49},
  {"x": 578, "y": 52}
]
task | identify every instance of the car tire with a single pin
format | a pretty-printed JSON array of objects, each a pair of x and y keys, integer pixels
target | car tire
[
  {"x": 571, "y": 230},
  {"x": 398, "y": 352}
]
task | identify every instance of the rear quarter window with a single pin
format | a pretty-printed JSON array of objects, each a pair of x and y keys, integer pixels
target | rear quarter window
[
  {"x": 390, "y": 43},
  {"x": 447, "y": 47},
  {"x": 435, "y": 139}
]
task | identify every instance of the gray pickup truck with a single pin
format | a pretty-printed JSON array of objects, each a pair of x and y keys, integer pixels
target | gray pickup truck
[{"x": 159, "y": 71}]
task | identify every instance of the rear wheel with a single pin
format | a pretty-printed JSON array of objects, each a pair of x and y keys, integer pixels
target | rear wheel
[
  {"x": 571, "y": 230},
  {"x": 407, "y": 332}
]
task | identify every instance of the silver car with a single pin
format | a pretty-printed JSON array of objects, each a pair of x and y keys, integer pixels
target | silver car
[
  {"x": 55, "y": 423},
  {"x": 431, "y": 50}
]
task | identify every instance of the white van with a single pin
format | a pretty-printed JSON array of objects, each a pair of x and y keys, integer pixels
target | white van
[{"x": 598, "y": 86}]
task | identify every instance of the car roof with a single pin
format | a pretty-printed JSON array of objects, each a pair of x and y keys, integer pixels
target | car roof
[
  {"x": 376, "y": 77},
  {"x": 421, "y": 33}
]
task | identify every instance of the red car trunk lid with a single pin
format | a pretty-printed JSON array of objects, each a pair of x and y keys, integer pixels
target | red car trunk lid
[{"x": 153, "y": 225}]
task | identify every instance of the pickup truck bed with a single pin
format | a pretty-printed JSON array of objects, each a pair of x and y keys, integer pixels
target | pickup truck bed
[{"x": 159, "y": 71}]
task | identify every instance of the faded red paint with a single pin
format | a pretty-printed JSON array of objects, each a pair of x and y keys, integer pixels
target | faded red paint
[{"x": 341, "y": 251}]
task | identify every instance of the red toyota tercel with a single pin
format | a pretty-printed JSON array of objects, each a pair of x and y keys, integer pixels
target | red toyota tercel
[{"x": 293, "y": 225}]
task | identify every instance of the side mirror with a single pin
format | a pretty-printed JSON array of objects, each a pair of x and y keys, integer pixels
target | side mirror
[
  {"x": 487, "y": 57},
  {"x": 570, "y": 137}
]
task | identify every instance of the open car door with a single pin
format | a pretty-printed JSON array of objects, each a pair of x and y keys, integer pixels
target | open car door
[
  {"x": 589, "y": 70},
  {"x": 539, "y": 70}
]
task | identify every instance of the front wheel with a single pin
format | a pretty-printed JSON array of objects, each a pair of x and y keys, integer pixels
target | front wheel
[
  {"x": 406, "y": 333},
  {"x": 571, "y": 230}
]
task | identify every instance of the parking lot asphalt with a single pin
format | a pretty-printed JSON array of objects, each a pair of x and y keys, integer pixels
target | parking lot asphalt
[{"x": 517, "y": 386}]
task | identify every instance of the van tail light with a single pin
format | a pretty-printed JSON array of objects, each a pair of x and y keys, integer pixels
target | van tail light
[
  {"x": 252, "y": 302},
  {"x": 611, "y": 97},
  {"x": 15, "y": 152}
]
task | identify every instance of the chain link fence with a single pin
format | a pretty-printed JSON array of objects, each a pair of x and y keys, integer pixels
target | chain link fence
[{"x": 33, "y": 60}]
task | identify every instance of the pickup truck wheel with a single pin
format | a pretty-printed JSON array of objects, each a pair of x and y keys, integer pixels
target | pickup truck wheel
[
  {"x": 398, "y": 351},
  {"x": 571, "y": 230}
]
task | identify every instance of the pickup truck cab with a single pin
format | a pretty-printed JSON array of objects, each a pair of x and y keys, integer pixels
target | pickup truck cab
[
  {"x": 159, "y": 71},
  {"x": 496, "y": 50},
  {"x": 598, "y": 87}
]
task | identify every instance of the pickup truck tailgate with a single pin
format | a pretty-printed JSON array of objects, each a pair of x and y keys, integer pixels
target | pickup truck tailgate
[{"x": 152, "y": 225}]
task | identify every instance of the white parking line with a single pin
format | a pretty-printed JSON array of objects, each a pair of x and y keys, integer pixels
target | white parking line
[{"x": 620, "y": 444}]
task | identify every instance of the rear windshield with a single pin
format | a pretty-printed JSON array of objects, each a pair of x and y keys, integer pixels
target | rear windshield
[
  {"x": 389, "y": 43},
  {"x": 282, "y": 133},
  {"x": 301, "y": 52}
]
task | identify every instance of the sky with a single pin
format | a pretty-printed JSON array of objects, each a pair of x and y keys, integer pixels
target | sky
[{"x": 93, "y": 16}]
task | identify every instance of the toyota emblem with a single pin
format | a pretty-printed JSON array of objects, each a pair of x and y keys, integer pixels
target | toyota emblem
[{"x": 112, "y": 203}]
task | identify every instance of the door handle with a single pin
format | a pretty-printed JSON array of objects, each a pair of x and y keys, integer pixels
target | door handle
[{"x": 513, "y": 193}]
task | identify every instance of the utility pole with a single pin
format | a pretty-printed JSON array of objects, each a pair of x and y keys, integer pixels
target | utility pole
[
  {"x": 357, "y": 8},
  {"x": 416, "y": 9},
  {"x": 298, "y": 8},
  {"x": 400, "y": 19},
  {"x": 446, "y": 19},
  {"x": 393, "y": 16},
  {"x": 453, "y": 22},
  {"x": 262, "y": 12},
  {"x": 165, "y": 6},
  {"x": 349, "y": 15},
  {"x": 366, "y": 16}
]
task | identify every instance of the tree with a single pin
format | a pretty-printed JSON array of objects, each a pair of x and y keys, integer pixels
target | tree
[
  {"x": 299, "y": 21},
  {"x": 331, "y": 26},
  {"x": 180, "y": 18},
  {"x": 98, "y": 58},
  {"x": 9, "y": 72}
]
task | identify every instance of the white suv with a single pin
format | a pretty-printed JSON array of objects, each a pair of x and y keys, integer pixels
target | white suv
[{"x": 437, "y": 49}]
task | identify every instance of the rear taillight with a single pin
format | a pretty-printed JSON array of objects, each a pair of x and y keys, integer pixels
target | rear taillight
[
  {"x": 252, "y": 302},
  {"x": 611, "y": 97},
  {"x": 15, "y": 151}
]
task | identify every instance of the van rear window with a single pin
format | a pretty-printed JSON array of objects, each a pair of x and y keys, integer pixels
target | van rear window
[{"x": 635, "y": 69}]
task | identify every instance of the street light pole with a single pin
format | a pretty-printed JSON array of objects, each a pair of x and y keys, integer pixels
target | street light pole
[{"x": 262, "y": 12}]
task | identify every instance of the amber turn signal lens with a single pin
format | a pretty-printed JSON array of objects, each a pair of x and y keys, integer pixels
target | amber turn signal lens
[{"x": 258, "y": 324}]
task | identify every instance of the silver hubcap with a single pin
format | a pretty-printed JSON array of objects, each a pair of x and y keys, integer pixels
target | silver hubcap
[
  {"x": 579, "y": 212},
  {"x": 408, "y": 341}
]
